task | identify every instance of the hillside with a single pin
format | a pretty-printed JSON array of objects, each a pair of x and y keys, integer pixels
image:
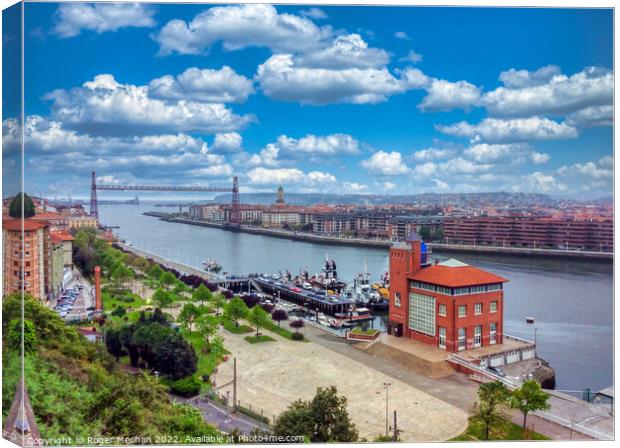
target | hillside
[
  {"x": 78, "y": 390},
  {"x": 425, "y": 199}
]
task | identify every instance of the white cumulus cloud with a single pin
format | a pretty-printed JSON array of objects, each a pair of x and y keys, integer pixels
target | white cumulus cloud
[
  {"x": 105, "y": 106},
  {"x": 227, "y": 142},
  {"x": 444, "y": 95},
  {"x": 386, "y": 163},
  {"x": 346, "y": 51},
  {"x": 194, "y": 84},
  {"x": 72, "y": 18},
  {"x": 267, "y": 176},
  {"x": 494, "y": 130},
  {"x": 560, "y": 95},
  {"x": 241, "y": 26},
  {"x": 281, "y": 79}
]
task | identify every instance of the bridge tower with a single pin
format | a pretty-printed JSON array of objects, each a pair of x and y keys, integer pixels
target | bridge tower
[
  {"x": 235, "y": 214},
  {"x": 93, "y": 197}
]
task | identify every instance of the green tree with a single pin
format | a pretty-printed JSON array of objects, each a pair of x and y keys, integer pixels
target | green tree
[
  {"x": 207, "y": 326},
  {"x": 439, "y": 234},
  {"x": 161, "y": 298},
  {"x": 167, "y": 279},
  {"x": 529, "y": 398},
  {"x": 201, "y": 294},
  {"x": 155, "y": 271},
  {"x": 258, "y": 317},
  {"x": 121, "y": 274},
  {"x": 188, "y": 316},
  {"x": 218, "y": 302},
  {"x": 15, "y": 207},
  {"x": 236, "y": 309},
  {"x": 493, "y": 397},
  {"x": 425, "y": 233},
  {"x": 15, "y": 336},
  {"x": 113, "y": 343},
  {"x": 323, "y": 419}
]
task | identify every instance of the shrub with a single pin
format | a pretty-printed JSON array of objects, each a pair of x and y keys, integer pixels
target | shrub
[
  {"x": 186, "y": 387},
  {"x": 127, "y": 299},
  {"x": 297, "y": 336},
  {"x": 119, "y": 311}
]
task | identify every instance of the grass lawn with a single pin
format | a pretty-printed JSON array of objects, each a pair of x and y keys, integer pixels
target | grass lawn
[
  {"x": 273, "y": 327},
  {"x": 369, "y": 332},
  {"x": 207, "y": 362},
  {"x": 231, "y": 327},
  {"x": 257, "y": 339},
  {"x": 506, "y": 430},
  {"x": 112, "y": 301}
]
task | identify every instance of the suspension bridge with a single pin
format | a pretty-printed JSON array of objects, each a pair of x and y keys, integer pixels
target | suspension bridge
[{"x": 233, "y": 218}]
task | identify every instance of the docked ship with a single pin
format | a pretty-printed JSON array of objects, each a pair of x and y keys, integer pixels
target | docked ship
[{"x": 362, "y": 293}]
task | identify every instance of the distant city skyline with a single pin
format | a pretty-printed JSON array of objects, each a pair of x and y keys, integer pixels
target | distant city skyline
[{"x": 369, "y": 100}]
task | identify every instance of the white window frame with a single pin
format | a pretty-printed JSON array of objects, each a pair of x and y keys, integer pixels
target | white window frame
[
  {"x": 464, "y": 307},
  {"x": 493, "y": 306},
  {"x": 478, "y": 309},
  {"x": 442, "y": 337},
  {"x": 442, "y": 310},
  {"x": 493, "y": 333},
  {"x": 478, "y": 336},
  {"x": 422, "y": 310},
  {"x": 462, "y": 339}
]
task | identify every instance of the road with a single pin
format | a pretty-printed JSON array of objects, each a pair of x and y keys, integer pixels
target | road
[{"x": 217, "y": 415}]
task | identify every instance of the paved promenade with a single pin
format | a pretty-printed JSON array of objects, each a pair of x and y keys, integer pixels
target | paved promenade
[{"x": 588, "y": 421}]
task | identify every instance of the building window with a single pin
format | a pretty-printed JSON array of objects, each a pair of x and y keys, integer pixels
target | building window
[
  {"x": 494, "y": 287},
  {"x": 442, "y": 338},
  {"x": 442, "y": 309},
  {"x": 422, "y": 313},
  {"x": 478, "y": 309},
  {"x": 397, "y": 299},
  {"x": 477, "y": 335},
  {"x": 462, "y": 335},
  {"x": 444, "y": 290},
  {"x": 493, "y": 333},
  {"x": 461, "y": 291},
  {"x": 479, "y": 288},
  {"x": 462, "y": 310},
  {"x": 493, "y": 306}
]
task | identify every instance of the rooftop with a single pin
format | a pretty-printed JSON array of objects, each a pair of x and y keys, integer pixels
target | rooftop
[
  {"x": 15, "y": 224},
  {"x": 58, "y": 237},
  {"x": 454, "y": 273}
]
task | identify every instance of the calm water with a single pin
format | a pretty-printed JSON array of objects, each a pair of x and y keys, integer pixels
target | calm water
[{"x": 572, "y": 301}]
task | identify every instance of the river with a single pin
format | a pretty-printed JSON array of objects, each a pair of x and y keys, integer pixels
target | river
[{"x": 571, "y": 300}]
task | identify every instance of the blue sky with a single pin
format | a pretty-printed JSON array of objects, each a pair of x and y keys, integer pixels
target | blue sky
[{"x": 395, "y": 100}]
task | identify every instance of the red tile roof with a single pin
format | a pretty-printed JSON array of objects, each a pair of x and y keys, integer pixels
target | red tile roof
[
  {"x": 455, "y": 276},
  {"x": 15, "y": 224},
  {"x": 58, "y": 237},
  {"x": 48, "y": 215}
]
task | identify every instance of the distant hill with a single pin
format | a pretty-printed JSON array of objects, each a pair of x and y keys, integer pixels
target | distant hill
[{"x": 498, "y": 199}]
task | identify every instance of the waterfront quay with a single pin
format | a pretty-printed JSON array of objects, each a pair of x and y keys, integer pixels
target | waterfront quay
[
  {"x": 327, "y": 304},
  {"x": 385, "y": 244}
]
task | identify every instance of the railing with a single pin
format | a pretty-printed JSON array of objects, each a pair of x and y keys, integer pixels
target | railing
[
  {"x": 515, "y": 338},
  {"x": 482, "y": 371}
]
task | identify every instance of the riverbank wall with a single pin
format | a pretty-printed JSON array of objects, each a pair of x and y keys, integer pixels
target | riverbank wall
[{"x": 383, "y": 244}]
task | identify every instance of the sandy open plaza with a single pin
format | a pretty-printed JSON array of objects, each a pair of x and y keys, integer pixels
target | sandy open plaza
[{"x": 272, "y": 375}]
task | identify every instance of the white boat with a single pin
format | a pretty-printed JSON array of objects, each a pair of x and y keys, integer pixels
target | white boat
[{"x": 212, "y": 266}]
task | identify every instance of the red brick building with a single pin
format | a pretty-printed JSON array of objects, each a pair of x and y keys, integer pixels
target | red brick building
[{"x": 451, "y": 305}]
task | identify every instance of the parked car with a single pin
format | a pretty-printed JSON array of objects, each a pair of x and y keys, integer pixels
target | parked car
[{"x": 497, "y": 371}]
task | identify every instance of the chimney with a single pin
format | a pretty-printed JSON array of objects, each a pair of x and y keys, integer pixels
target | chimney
[{"x": 98, "y": 304}]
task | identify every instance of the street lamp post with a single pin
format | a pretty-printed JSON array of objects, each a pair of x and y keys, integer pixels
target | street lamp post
[{"x": 386, "y": 386}]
